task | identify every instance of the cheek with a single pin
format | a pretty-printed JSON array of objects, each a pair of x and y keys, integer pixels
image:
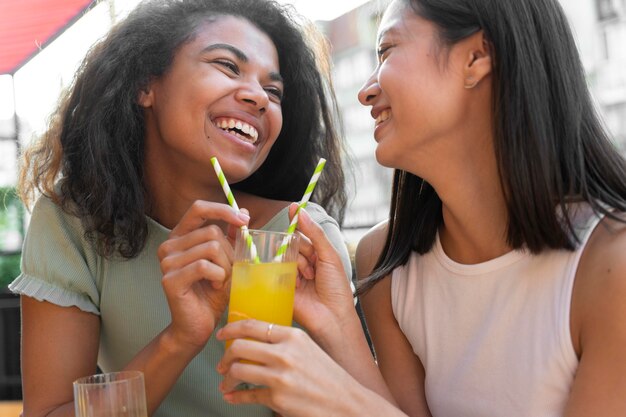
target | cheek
[
  {"x": 279, "y": 119},
  {"x": 276, "y": 121}
]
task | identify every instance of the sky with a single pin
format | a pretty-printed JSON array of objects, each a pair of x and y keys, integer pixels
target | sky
[{"x": 39, "y": 82}]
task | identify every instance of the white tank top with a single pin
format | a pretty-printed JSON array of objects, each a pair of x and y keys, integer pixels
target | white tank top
[{"x": 494, "y": 338}]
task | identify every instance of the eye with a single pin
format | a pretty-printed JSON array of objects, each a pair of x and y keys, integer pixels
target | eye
[
  {"x": 381, "y": 52},
  {"x": 231, "y": 66},
  {"x": 275, "y": 92}
]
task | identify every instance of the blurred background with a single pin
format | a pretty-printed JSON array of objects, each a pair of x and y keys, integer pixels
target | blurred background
[{"x": 30, "y": 85}]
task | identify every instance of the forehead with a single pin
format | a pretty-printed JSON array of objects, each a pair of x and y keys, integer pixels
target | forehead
[
  {"x": 240, "y": 33},
  {"x": 400, "y": 22},
  {"x": 393, "y": 18}
]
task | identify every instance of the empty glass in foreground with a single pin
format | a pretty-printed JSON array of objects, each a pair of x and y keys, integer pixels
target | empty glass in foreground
[{"x": 115, "y": 394}]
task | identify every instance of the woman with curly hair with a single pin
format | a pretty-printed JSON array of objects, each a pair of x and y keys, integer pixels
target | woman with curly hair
[{"x": 127, "y": 257}]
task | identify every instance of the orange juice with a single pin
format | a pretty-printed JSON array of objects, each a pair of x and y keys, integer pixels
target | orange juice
[{"x": 262, "y": 291}]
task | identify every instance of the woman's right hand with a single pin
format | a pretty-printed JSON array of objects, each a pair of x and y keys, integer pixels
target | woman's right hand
[
  {"x": 296, "y": 378},
  {"x": 196, "y": 261},
  {"x": 323, "y": 296}
]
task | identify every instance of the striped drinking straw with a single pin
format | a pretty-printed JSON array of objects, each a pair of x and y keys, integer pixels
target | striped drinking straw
[
  {"x": 305, "y": 199},
  {"x": 231, "y": 200}
]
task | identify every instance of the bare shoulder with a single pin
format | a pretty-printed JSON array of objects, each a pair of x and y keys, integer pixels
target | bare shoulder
[
  {"x": 598, "y": 324},
  {"x": 604, "y": 260},
  {"x": 369, "y": 249},
  {"x": 598, "y": 308}
]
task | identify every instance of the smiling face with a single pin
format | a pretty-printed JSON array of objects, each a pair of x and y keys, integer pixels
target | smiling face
[
  {"x": 220, "y": 97},
  {"x": 416, "y": 92}
]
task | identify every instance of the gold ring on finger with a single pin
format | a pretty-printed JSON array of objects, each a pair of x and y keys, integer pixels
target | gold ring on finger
[{"x": 268, "y": 335}]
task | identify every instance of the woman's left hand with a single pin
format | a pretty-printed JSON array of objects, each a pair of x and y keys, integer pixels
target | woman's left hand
[{"x": 294, "y": 375}]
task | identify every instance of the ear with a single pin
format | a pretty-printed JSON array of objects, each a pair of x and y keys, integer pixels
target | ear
[
  {"x": 145, "y": 98},
  {"x": 478, "y": 64}
]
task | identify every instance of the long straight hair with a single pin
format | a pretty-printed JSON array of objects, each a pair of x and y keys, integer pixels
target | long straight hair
[{"x": 550, "y": 144}]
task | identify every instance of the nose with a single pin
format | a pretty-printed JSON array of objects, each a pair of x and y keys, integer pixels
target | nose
[
  {"x": 254, "y": 95},
  {"x": 369, "y": 91}
]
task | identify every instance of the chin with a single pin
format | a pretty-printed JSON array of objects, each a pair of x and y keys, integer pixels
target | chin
[
  {"x": 384, "y": 158},
  {"x": 236, "y": 172}
]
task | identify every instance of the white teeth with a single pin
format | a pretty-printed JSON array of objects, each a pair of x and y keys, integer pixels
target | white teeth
[
  {"x": 226, "y": 124},
  {"x": 383, "y": 116}
]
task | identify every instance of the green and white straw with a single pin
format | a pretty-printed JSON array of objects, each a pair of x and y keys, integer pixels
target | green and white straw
[
  {"x": 231, "y": 200},
  {"x": 305, "y": 199}
]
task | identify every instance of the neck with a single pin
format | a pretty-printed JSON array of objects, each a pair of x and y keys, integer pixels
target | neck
[
  {"x": 169, "y": 201},
  {"x": 474, "y": 231},
  {"x": 171, "y": 193},
  {"x": 475, "y": 216}
]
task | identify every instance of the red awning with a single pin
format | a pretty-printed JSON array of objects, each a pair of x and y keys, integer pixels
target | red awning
[{"x": 26, "y": 26}]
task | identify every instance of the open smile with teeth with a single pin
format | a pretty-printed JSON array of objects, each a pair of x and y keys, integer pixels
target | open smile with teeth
[
  {"x": 383, "y": 116},
  {"x": 238, "y": 128}
]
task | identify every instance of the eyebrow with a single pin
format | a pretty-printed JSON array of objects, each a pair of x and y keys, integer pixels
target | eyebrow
[
  {"x": 241, "y": 56},
  {"x": 389, "y": 31}
]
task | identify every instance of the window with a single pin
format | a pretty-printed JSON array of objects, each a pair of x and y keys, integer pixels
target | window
[{"x": 609, "y": 9}]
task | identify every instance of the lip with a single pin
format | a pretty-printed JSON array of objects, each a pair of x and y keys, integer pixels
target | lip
[
  {"x": 379, "y": 127},
  {"x": 378, "y": 132},
  {"x": 244, "y": 117},
  {"x": 377, "y": 110}
]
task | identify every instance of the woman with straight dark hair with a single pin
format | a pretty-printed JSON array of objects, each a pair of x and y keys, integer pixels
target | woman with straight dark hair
[
  {"x": 497, "y": 286},
  {"x": 129, "y": 251}
]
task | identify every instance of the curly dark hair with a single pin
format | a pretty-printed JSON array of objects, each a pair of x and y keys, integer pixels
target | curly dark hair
[{"x": 91, "y": 159}]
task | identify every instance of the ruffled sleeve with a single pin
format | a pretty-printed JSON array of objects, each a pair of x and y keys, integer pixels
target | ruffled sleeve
[{"x": 59, "y": 264}]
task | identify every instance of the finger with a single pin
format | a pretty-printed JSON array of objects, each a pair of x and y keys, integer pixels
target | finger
[
  {"x": 324, "y": 250},
  {"x": 212, "y": 251},
  {"x": 231, "y": 231},
  {"x": 249, "y": 352},
  {"x": 202, "y": 211},
  {"x": 195, "y": 238},
  {"x": 305, "y": 267},
  {"x": 253, "y": 329},
  {"x": 250, "y": 373},
  {"x": 305, "y": 247},
  {"x": 210, "y": 238},
  {"x": 202, "y": 269},
  {"x": 230, "y": 383},
  {"x": 250, "y": 396},
  {"x": 207, "y": 243}
]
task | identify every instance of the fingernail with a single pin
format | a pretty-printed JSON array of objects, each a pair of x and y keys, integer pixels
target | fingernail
[
  {"x": 310, "y": 272},
  {"x": 303, "y": 215},
  {"x": 220, "y": 370},
  {"x": 243, "y": 217},
  {"x": 218, "y": 335}
]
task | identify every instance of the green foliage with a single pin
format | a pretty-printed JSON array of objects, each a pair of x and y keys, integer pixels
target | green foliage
[
  {"x": 8, "y": 201},
  {"x": 11, "y": 215},
  {"x": 9, "y": 269}
]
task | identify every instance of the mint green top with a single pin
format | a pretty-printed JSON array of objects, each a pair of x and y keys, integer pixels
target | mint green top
[{"x": 60, "y": 266}]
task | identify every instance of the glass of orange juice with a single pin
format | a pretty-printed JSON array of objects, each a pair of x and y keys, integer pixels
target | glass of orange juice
[{"x": 263, "y": 286}]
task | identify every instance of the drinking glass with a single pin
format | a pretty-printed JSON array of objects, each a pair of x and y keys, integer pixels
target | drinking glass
[
  {"x": 114, "y": 394},
  {"x": 263, "y": 286}
]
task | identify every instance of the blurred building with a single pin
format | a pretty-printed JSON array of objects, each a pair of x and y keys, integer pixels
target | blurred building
[
  {"x": 8, "y": 152},
  {"x": 353, "y": 40},
  {"x": 599, "y": 27},
  {"x": 600, "y": 30}
]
